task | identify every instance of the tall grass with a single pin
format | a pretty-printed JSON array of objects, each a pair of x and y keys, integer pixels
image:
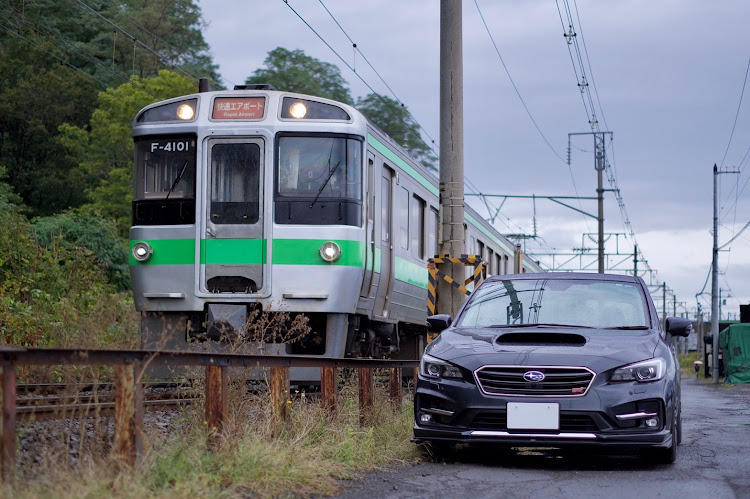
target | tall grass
[{"x": 309, "y": 456}]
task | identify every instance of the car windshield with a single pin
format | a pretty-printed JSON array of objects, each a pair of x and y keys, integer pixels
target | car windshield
[{"x": 566, "y": 302}]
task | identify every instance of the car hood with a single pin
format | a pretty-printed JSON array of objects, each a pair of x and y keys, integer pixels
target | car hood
[{"x": 597, "y": 349}]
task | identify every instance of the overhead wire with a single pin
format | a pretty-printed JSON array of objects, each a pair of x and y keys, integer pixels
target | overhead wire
[
  {"x": 359, "y": 50},
  {"x": 44, "y": 30},
  {"x": 352, "y": 69}
]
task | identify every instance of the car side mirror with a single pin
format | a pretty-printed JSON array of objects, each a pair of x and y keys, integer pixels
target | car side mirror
[
  {"x": 437, "y": 323},
  {"x": 677, "y": 326}
]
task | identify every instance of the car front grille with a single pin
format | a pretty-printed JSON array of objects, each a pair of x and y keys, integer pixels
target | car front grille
[
  {"x": 568, "y": 422},
  {"x": 557, "y": 382}
]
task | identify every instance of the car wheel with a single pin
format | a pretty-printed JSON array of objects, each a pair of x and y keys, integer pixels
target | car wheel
[{"x": 668, "y": 455}]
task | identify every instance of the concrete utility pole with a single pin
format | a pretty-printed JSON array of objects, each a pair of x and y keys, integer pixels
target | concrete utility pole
[
  {"x": 452, "y": 234},
  {"x": 715, "y": 298},
  {"x": 600, "y": 196},
  {"x": 715, "y": 284}
]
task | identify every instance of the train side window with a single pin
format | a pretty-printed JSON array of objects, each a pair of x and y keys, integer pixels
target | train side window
[
  {"x": 499, "y": 263},
  {"x": 480, "y": 248},
  {"x": 403, "y": 216},
  {"x": 490, "y": 261},
  {"x": 417, "y": 226},
  {"x": 385, "y": 209},
  {"x": 432, "y": 233}
]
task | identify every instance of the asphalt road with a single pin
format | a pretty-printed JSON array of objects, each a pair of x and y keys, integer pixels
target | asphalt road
[{"x": 713, "y": 462}]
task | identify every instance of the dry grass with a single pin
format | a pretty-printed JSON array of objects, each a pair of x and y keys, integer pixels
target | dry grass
[{"x": 308, "y": 457}]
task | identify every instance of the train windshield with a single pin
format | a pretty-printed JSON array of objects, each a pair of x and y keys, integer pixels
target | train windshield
[
  {"x": 319, "y": 180},
  {"x": 323, "y": 167},
  {"x": 165, "y": 168},
  {"x": 164, "y": 180}
]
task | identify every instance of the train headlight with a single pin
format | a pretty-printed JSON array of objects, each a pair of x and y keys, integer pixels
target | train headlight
[
  {"x": 185, "y": 112},
  {"x": 330, "y": 252},
  {"x": 298, "y": 110},
  {"x": 142, "y": 251}
]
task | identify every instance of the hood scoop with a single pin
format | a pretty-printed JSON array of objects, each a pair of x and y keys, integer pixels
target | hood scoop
[{"x": 567, "y": 339}]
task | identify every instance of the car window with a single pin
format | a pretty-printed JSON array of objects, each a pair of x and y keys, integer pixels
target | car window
[{"x": 587, "y": 303}]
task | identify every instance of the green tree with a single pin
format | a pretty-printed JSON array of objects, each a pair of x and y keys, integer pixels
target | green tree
[
  {"x": 55, "y": 57},
  {"x": 394, "y": 119},
  {"x": 294, "y": 71},
  {"x": 104, "y": 150}
]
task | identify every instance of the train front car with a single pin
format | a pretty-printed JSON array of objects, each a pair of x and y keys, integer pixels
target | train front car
[{"x": 248, "y": 205}]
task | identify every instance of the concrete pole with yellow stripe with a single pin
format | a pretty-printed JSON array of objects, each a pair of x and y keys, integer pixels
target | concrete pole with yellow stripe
[{"x": 452, "y": 234}]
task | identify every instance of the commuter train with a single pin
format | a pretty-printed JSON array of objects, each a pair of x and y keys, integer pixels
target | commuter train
[{"x": 256, "y": 201}]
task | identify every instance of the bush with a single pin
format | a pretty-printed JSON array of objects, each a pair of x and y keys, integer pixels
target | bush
[
  {"x": 56, "y": 294},
  {"x": 96, "y": 234}
]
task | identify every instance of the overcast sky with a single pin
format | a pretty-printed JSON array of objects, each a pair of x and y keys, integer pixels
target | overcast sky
[{"x": 666, "y": 77}]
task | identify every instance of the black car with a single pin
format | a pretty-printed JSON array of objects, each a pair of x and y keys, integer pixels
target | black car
[{"x": 553, "y": 360}]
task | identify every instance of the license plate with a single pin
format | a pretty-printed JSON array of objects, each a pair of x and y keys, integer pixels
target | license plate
[{"x": 532, "y": 416}]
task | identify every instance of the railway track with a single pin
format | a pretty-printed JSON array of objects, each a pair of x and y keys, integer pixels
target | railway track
[{"x": 61, "y": 400}]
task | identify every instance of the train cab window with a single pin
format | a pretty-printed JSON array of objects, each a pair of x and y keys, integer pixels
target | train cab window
[
  {"x": 417, "y": 226},
  {"x": 403, "y": 217},
  {"x": 164, "y": 180},
  {"x": 318, "y": 180},
  {"x": 235, "y": 181}
]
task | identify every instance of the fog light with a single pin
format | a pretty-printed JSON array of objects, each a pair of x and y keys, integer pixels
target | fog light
[
  {"x": 425, "y": 418},
  {"x": 652, "y": 422}
]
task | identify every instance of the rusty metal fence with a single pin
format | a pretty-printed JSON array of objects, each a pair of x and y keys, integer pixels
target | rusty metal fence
[{"x": 129, "y": 367}]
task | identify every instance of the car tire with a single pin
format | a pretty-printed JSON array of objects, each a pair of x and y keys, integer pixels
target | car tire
[{"x": 668, "y": 455}]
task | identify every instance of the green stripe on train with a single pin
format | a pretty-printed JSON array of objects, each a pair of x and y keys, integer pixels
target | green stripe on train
[
  {"x": 411, "y": 273},
  {"x": 168, "y": 252},
  {"x": 306, "y": 252},
  {"x": 393, "y": 157},
  {"x": 233, "y": 251},
  {"x": 285, "y": 252}
]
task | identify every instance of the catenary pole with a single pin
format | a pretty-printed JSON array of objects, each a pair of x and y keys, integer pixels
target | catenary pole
[
  {"x": 451, "y": 151},
  {"x": 715, "y": 285}
]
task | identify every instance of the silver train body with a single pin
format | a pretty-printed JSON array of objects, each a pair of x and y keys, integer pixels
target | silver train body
[{"x": 256, "y": 201}]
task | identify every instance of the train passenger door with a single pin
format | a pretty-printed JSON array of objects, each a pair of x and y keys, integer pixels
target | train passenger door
[
  {"x": 233, "y": 250},
  {"x": 385, "y": 243},
  {"x": 370, "y": 236}
]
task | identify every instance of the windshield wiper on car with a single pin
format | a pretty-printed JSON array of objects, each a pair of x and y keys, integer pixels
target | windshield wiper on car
[
  {"x": 538, "y": 324},
  {"x": 627, "y": 327}
]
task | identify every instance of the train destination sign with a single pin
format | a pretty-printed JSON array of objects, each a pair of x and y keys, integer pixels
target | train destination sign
[{"x": 238, "y": 108}]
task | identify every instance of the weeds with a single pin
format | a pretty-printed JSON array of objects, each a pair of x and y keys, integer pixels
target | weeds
[{"x": 308, "y": 457}]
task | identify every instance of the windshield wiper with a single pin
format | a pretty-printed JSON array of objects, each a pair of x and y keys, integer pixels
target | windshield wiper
[
  {"x": 628, "y": 327},
  {"x": 333, "y": 170},
  {"x": 540, "y": 324},
  {"x": 177, "y": 180}
]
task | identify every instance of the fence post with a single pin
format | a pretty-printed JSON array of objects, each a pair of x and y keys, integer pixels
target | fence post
[
  {"x": 125, "y": 428},
  {"x": 8, "y": 457},
  {"x": 328, "y": 391},
  {"x": 217, "y": 402},
  {"x": 365, "y": 395},
  {"x": 279, "y": 396},
  {"x": 394, "y": 388}
]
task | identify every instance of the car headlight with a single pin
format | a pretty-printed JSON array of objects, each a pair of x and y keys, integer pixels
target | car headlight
[
  {"x": 431, "y": 367},
  {"x": 642, "y": 372}
]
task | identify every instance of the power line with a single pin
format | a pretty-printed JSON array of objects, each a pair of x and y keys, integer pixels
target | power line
[
  {"x": 513, "y": 83},
  {"x": 351, "y": 68}
]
